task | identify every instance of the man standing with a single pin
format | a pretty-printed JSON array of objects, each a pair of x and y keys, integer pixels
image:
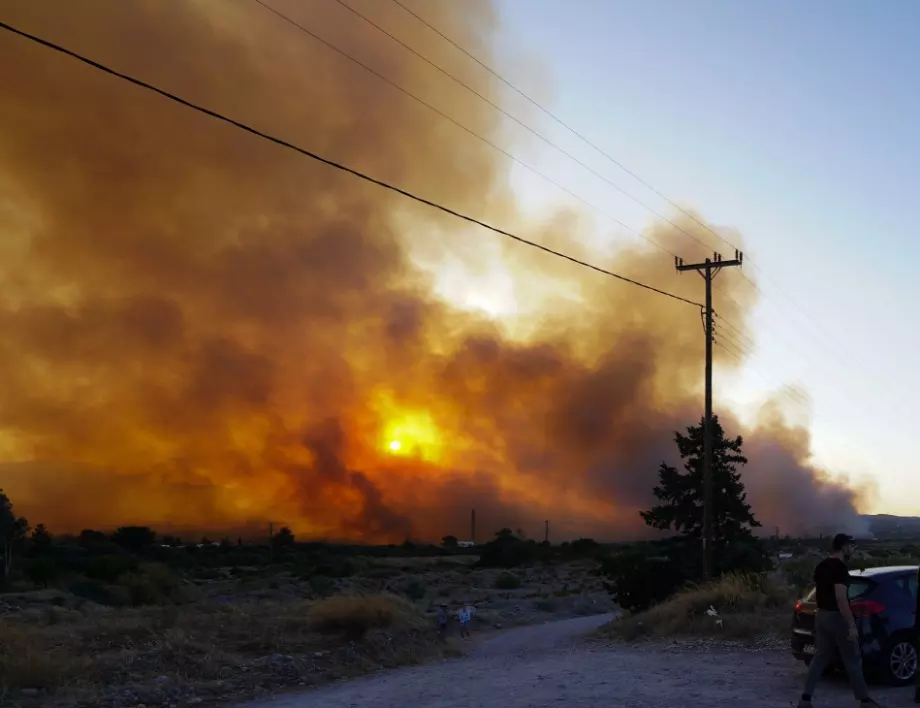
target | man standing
[{"x": 835, "y": 628}]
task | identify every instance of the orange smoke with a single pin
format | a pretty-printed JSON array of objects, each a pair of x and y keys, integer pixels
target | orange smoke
[{"x": 202, "y": 330}]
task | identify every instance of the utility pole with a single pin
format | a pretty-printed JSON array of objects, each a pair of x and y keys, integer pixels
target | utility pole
[
  {"x": 473, "y": 526},
  {"x": 271, "y": 541},
  {"x": 708, "y": 269},
  {"x": 546, "y": 532}
]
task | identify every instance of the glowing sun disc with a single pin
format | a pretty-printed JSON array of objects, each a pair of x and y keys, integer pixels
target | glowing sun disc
[{"x": 395, "y": 446}]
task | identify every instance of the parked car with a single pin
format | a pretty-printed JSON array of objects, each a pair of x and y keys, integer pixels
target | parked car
[{"x": 884, "y": 604}]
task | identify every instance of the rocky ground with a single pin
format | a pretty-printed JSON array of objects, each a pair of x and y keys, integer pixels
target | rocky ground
[
  {"x": 247, "y": 634},
  {"x": 552, "y": 665}
]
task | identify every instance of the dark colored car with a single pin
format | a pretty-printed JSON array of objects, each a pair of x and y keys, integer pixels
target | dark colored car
[{"x": 884, "y": 604}]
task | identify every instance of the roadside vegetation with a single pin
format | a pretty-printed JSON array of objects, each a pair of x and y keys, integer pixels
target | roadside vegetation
[{"x": 659, "y": 585}]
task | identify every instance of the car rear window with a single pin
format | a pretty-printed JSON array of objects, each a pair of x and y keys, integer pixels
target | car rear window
[{"x": 858, "y": 587}]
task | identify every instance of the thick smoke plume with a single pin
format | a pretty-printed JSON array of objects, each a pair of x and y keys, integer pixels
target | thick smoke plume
[{"x": 201, "y": 330}]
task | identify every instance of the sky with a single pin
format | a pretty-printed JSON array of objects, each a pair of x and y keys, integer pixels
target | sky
[{"x": 794, "y": 123}]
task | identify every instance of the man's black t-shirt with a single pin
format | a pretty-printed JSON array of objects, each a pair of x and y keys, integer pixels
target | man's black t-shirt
[{"x": 828, "y": 573}]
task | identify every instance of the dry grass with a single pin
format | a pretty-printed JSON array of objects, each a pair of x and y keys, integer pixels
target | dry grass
[
  {"x": 746, "y": 606},
  {"x": 355, "y": 615},
  {"x": 241, "y": 647}
]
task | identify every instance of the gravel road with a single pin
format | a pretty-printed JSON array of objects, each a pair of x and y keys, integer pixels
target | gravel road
[{"x": 550, "y": 665}]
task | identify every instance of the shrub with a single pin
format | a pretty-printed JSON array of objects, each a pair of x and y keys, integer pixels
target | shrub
[
  {"x": 799, "y": 572},
  {"x": 450, "y": 542},
  {"x": 743, "y": 605},
  {"x": 134, "y": 538},
  {"x": 545, "y": 604},
  {"x": 507, "y": 581},
  {"x": 322, "y": 585},
  {"x": 152, "y": 584},
  {"x": 26, "y": 663},
  {"x": 415, "y": 590},
  {"x": 508, "y": 551},
  {"x": 42, "y": 571},
  {"x": 585, "y": 547},
  {"x": 94, "y": 591},
  {"x": 355, "y": 615},
  {"x": 637, "y": 581},
  {"x": 108, "y": 569}
]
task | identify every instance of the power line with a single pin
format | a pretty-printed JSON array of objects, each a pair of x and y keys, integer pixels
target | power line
[
  {"x": 537, "y": 134},
  {"x": 744, "y": 355},
  {"x": 517, "y": 120},
  {"x": 737, "y": 331},
  {"x": 791, "y": 394},
  {"x": 501, "y": 150},
  {"x": 743, "y": 348},
  {"x": 592, "y": 145},
  {"x": 577, "y": 134},
  {"x": 455, "y": 122},
  {"x": 562, "y": 123},
  {"x": 336, "y": 165}
]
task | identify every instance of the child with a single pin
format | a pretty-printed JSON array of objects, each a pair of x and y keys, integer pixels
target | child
[
  {"x": 465, "y": 615},
  {"x": 442, "y": 621}
]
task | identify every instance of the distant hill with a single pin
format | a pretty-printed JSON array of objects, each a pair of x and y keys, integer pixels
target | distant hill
[{"x": 887, "y": 526}]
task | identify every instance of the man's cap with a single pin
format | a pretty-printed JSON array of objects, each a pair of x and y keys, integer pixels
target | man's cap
[{"x": 841, "y": 540}]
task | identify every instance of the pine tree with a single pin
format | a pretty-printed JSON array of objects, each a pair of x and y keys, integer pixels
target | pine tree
[{"x": 681, "y": 493}]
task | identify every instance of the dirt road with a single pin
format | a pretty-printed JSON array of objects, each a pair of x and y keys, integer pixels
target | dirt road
[{"x": 550, "y": 665}]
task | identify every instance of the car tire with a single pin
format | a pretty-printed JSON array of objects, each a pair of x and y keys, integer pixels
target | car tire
[{"x": 899, "y": 667}]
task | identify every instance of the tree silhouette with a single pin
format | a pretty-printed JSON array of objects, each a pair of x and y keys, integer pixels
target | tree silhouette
[
  {"x": 89, "y": 538},
  {"x": 41, "y": 539},
  {"x": 450, "y": 542},
  {"x": 134, "y": 538},
  {"x": 284, "y": 537},
  {"x": 682, "y": 493},
  {"x": 13, "y": 530}
]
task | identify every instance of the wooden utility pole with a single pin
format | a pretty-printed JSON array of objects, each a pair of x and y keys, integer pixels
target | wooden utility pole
[
  {"x": 473, "y": 526},
  {"x": 708, "y": 269},
  {"x": 546, "y": 532}
]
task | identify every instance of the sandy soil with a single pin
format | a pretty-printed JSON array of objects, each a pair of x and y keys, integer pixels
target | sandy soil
[{"x": 551, "y": 665}]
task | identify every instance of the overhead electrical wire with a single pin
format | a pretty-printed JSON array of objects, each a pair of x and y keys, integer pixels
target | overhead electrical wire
[
  {"x": 375, "y": 25},
  {"x": 517, "y": 120},
  {"x": 331, "y": 163},
  {"x": 540, "y": 135},
  {"x": 559, "y": 121},
  {"x": 746, "y": 355},
  {"x": 460, "y": 125},
  {"x": 567, "y": 126},
  {"x": 498, "y": 148},
  {"x": 792, "y": 395}
]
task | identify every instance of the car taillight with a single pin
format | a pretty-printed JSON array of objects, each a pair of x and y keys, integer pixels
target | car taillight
[
  {"x": 866, "y": 608},
  {"x": 798, "y": 606}
]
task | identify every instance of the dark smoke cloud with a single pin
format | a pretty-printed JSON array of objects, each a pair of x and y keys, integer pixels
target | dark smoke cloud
[{"x": 204, "y": 331}]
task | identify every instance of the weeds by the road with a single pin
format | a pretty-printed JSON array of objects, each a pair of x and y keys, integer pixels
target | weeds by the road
[
  {"x": 183, "y": 651},
  {"x": 735, "y": 606},
  {"x": 355, "y": 615}
]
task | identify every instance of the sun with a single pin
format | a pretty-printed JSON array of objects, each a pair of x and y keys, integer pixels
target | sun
[{"x": 395, "y": 446}]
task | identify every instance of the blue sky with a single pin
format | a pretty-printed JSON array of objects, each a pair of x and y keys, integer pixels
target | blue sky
[{"x": 795, "y": 123}]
